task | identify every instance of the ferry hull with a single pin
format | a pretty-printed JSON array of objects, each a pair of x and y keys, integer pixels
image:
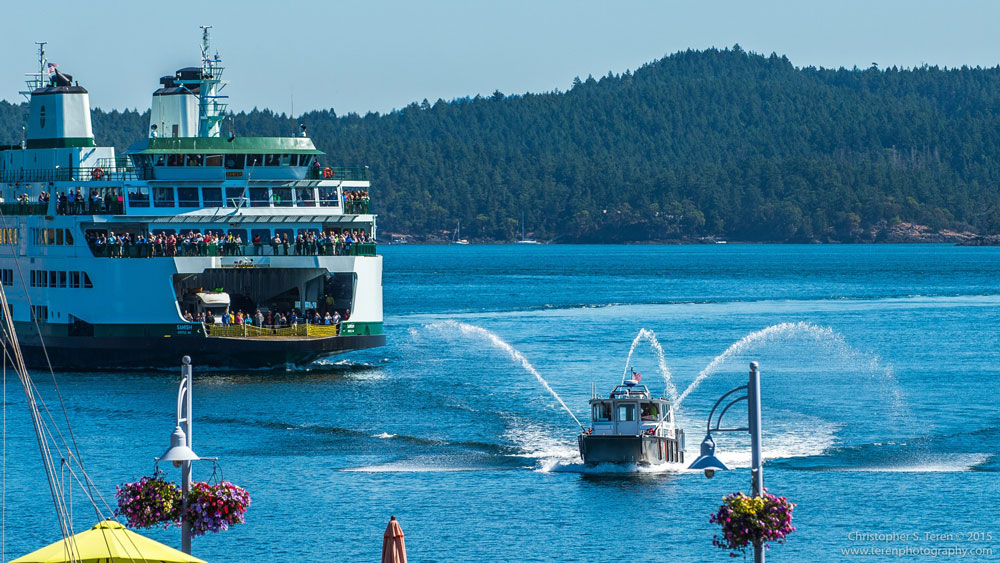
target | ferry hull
[
  {"x": 638, "y": 450},
  {"x": 130, "y": 353}
]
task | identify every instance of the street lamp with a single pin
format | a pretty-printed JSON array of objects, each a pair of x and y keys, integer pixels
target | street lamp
[
  {"x": 180, "y": 453},
  {"x": 710, "y": 464}
]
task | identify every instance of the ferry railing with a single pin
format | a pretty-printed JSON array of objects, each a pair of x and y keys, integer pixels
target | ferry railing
[
  {"x": 81, "y": 174},
  {"x": 248, "y": 251},
  {"x": 266, "y": 331},
  {"x": 90, "y": 207},
  {"x": 29, "y": 208},
  {"x": 357, "y": 173}
]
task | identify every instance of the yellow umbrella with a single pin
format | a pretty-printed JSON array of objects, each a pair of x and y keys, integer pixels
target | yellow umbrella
[{"x": 107, "y": 542}]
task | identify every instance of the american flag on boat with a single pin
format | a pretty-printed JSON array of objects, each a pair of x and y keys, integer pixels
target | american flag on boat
[
  {"x": 636, "y": 376},
  {"x": 51, "y": 68}
]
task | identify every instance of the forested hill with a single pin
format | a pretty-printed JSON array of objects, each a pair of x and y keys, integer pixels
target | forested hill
[{"x": 717, "y": 142}]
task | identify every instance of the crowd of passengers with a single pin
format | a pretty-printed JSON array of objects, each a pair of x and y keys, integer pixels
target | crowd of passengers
[
  {"x": 277, "y": 319},
  {"x": 356, "y": 201},
  {"x": 194, "y": 243},
  {"x": 96, "y": 203}
]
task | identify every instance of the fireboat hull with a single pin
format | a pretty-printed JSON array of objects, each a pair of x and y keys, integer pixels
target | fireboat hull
[
  {"x": 125, "y": 353},
  {"x": 636, "y": 450}
]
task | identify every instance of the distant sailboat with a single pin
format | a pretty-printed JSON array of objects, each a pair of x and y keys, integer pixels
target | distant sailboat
[
  {"x": 458, "y": 235},
  {"x": 524, "y": 240}
]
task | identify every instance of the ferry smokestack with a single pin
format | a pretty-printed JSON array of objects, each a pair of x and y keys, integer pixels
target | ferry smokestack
[
  {"x": 59, "y": 115},
  {"x": 174, "y": 110}
]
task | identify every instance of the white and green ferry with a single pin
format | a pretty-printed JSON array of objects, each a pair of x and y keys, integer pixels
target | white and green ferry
[{"x": 132, "y": 261}]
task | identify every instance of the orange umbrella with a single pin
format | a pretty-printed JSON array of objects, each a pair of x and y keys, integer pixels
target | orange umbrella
[{"x": 393, "y": 547}]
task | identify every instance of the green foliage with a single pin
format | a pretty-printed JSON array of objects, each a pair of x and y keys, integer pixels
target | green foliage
[{"x": 717, "y": 142}]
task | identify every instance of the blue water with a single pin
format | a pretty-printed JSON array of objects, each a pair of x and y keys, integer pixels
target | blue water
[{"x": 879, "y": 409}]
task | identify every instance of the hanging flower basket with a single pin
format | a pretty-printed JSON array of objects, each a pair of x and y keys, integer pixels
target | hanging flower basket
[
  {"x": 152, "y": 501},
  {"x": 213, "y": 508},
  {"x": 746, "y": 519}
]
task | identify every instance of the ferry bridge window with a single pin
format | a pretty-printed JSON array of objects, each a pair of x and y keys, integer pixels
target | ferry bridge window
[
  {"x": 175, "y": 160},
  {"x": 282, "y": 197},
  {"x": 284, "y": 159},
  {"x": 235, "y": 197},
  {"x": 159, "y": 159},
  {"x": 305, "y": 197},
  {"x": 259, "y": 197},
  {"x": 195, "y": 159},
  {"x": 74, "y": 279},
  {"x": 602, "y": 412},
  {"x": 212, "y": 197},
  {"x": 163, "y": 196},
  {"x": 235, "y": 161},
  {"x": 62, "y": 279},
  {"x": 187, "y": 197},
  {"x": 7, "y": 277},
  {"x": 164, "y": 232},
  {"x": 255, "y": 160},
  {"x": 138, "y": 196},
  {"x": 328, "y": 196},
  {"x": 86, "y": 281},
  {"x": 53, "y": 276},
  {"x": 293, "y": 160},
  {"x": 272, "y": 159},
  {"x": 626, "y": 413},
  {"x": 213, "y": 160}
]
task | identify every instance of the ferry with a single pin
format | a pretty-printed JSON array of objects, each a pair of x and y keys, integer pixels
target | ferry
[
  {"x": 243, "y": 252},
  {"x": 631, "y": 427}
]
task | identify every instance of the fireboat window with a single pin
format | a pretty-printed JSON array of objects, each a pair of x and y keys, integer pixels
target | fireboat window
[
  {"x": 602, "y": 412},
  {"x": 626, "y": 413},
  {"x": 235, "y": 161},
  {"x": 212, "y": 197},
  {"x": 187, "y": 197},
  {"x": 163, "y": 196},
  {"x": 213, "y": 160},
  {"x": 650, "y": 411}
]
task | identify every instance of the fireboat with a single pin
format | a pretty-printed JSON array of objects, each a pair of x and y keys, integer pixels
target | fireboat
[{"x": 630, "y": 426}]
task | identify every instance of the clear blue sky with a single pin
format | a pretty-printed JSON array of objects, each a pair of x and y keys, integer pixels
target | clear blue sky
[{"x": 379, "y": 55}]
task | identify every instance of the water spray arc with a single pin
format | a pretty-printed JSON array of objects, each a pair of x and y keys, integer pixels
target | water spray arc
[
  {"x": 770, "y": 333},
  {"x": 668, "y": 385},
  {"x": 499, "y": 343}
]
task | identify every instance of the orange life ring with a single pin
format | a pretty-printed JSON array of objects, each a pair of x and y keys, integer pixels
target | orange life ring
[
  {"x": 327, "y": 173},
  {"x": 97, "y": 173}
]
